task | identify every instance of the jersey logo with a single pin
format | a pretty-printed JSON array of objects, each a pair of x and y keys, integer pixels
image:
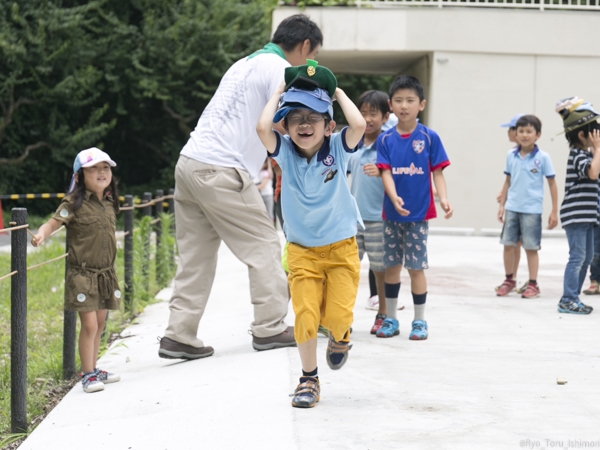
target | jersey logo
[
  {"x": 537, "y": 162},
  {"x": 330, "y": 176},
  {"x": 412, "y": 170},
  {"x": 329, "y": 160},
  {"x": 534, "y": 170},
  {"x": 418, "y": 146}
]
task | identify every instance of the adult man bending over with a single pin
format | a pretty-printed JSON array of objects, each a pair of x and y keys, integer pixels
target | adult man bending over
[{"x": 216, "y": 200}]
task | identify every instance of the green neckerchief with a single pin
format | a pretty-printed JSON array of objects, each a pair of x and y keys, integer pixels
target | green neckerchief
[{"x": 269, "y": 48}]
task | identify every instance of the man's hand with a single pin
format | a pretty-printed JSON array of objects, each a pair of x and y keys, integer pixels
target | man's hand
[
  {"x": 371, "y": 170},
  {"x": 445, "y": 204},
  {"x": 501, "y": 214},
  {"x": 398, "y": 204}
]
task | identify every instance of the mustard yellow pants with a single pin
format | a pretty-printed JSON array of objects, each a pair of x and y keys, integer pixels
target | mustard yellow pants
[{"x": 323, "y": 283}]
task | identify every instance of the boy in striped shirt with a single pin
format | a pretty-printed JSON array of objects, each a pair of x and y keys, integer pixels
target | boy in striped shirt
[{"x": 579, "y": 209}]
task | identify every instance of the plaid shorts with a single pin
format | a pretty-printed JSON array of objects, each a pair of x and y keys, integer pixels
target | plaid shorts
[
  {"x": 370, "y": 240},
  {"x": 405, "y": 243}
]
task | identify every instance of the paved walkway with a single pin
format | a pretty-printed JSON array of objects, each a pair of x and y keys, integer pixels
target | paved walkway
[{"x": 485, "y": 379}]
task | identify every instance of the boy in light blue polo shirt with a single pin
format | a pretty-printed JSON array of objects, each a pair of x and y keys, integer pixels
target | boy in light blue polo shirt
[
  {"x": 320, "y": 215},
  {"x": 521, "y": 203},
  {"x": 367, "y": 188}
]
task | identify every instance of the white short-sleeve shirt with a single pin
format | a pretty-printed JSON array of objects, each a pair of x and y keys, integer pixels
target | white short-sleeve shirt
[{"x": 226, "y": 131}]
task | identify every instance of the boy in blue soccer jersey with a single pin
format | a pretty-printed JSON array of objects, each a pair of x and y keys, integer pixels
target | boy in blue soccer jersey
[
  {"x": 320, "y": 215},
  {"x": 409, "y": 156}
]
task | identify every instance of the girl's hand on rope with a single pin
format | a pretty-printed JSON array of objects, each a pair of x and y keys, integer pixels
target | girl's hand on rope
[{"x": 37, "y": 240}]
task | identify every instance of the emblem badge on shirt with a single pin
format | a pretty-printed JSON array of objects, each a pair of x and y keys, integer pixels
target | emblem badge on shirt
[
  {"x": 64, "y": 213},
  {"x": 329, "y": 160},
  {"x": 330, "y": 175},
  {"x": 537, "y": 162},
  {"x": 418, "y": 146},
  {"x": 534, "y": 170}
]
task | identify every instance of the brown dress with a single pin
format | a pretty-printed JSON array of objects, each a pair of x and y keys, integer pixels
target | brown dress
[{"x": 91, "y": 283}]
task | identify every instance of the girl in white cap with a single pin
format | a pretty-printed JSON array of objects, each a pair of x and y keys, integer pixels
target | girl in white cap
[{"x": 91, "y": 286}]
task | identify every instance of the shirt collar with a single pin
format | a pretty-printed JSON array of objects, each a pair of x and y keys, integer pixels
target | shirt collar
[
  {"x": 323, "y": 151},
  {"x": 533, "y": 152}
]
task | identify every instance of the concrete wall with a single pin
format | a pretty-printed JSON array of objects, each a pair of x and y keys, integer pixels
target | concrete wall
[{"x": 479, "y": 67}]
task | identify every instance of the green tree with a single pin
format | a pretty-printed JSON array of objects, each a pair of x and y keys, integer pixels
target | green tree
[{"x": 48, "y": 102}]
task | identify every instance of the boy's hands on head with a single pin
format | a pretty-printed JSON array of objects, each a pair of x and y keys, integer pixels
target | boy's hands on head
[
  {"x": 594, "y": 138},
  {"x": 371, "y": 170},
  {"x": 445, "y": 204}
]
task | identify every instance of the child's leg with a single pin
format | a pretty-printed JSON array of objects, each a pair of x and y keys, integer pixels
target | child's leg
[
  {"x": 87, "y": 339},
  {"x": 373, "y": 287},
  {"x": 380, "y": 282},
  {"x": 308, "y": 355},
  {"x": 101, "y": 320},
  {"x": 392, "y": 289},
  {"x": 516, "y": 260},
  {"x": 533, "y": 262},
  {"x": 509, "y": 261}
]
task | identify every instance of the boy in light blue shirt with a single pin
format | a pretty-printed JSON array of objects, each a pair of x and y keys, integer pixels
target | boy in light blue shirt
[
  {"x": 367, "y": 188},
  {"x": 320, "y": 214},
  {"x": 521, "y": 203}
]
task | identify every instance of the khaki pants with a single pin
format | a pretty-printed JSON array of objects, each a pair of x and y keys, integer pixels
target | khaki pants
[
  {"x": 324, "y": 282},
  {"x": 214, "y": 204}
]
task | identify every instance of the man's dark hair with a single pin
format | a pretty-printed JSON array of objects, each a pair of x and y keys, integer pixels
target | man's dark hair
[
  {"x": 295, "y": 30},
  {"x": 407, "y": 82},
  {"x": 530, "y": 119},
  {"x": 573, "y": 135},
  {"x": 377, "y": 100}
]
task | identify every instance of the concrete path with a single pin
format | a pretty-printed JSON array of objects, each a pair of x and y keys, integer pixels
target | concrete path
[{"x": 485, "y": 379}]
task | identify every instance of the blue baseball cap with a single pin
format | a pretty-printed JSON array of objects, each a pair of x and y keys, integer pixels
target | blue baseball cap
[
  {"x": 317, "y": 100},
  {"x": 513, "y": 121}
]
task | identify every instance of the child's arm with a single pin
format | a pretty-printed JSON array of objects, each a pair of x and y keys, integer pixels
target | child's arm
[
  {"x": 502, "y": 198},
  {"x": 390, "y": 189},
  {"x": 594, "y": 169},
  {"x": 371, "y": 170},
  {"x": 44, "y": 231},
  {"x": 440, "y": 184},
  {"x": 356, "y": 122},
  {"x": 553, "y": 219},
  {"x": 264, "y": 127}
]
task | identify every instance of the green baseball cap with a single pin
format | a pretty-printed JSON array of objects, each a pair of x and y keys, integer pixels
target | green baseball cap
[
  {"x": 576, "y": 113},
  {"x": 311, "y": 76}
]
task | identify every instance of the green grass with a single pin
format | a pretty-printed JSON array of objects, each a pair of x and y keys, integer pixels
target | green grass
[{"x": 45, "y": 294}]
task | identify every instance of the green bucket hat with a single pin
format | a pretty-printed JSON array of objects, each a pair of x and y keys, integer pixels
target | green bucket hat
[
  {"x": 310, "y": 76},
  {"x": 575, "y": 113}
]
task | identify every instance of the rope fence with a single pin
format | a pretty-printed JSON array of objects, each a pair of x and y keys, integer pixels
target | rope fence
[{"x": 19, "y": 230}]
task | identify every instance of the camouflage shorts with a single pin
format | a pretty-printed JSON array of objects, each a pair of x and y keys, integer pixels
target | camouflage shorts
[{"x": 405, "y": 243}]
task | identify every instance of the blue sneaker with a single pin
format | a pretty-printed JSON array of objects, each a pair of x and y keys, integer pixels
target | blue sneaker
[
  {"x": 419, "y": 330},
  {"x": 574, "y": 307},
  {"x": 389, "y": 328}
]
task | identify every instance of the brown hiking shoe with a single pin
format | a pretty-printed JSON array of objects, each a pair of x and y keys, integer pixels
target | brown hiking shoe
[
  {"x": 171, "y": 349},
  {"x": 285, "y": 339}
]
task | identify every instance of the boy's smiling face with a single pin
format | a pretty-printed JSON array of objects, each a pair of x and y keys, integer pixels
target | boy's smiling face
[
  {"x": 406, "y": 105},
  {"x": 307, "y": 130},
  {"x": 527, "y": 136},
  {"x": 374, "y": 118}
]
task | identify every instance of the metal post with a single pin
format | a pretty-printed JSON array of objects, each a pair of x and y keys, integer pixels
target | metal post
[
  {"x": 128, "y": 225},
  {"x": 18, "y": 324},
  {"x": 69, "y": 333},
  {"x": 159, "y": 257},
  {"x": 173, "y": 225},
  {"x": 147, "y": 211}
]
